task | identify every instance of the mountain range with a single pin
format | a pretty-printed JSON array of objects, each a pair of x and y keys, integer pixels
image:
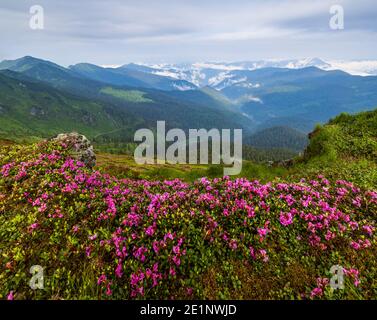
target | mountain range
[
  {"x": 213, "y": 73},
  {"x": 286, "y": 98},
  {"x": 29, "y": 86}
]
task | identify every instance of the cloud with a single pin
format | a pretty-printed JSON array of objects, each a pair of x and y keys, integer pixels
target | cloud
[{"x": 119, "y": 31}]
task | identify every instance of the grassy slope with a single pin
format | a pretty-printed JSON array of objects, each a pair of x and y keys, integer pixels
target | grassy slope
[
  {"x": 345, "y": 148},
  {"x": 124, "y": 166},
  {"x": 34, "y": 109},
  {"x": 127, "y": 95}
]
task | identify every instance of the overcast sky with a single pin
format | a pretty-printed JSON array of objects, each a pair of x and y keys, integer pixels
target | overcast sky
[{"x": 115, "y": 32}]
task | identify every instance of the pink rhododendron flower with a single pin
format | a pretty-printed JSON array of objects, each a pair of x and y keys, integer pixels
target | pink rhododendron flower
[
  {"x": 286, "y": 218},
  {"x": 10, "y": 296},
  {"x": 93, "y": 237},
  {"x": 33, "y": 227},
  {"x": 316, "y": 292},
  {"x": 233, "y": 244},
  {"x": 118, "y": 270},
  {"x": 102, "y": 279},
  {"x": 264, "y": 255}
]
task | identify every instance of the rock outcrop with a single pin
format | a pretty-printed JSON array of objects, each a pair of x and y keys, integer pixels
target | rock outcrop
[{"x": 81, "y": 147}]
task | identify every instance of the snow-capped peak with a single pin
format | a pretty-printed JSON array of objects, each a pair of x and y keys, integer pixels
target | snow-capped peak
[{"x": 219, "y": 75}]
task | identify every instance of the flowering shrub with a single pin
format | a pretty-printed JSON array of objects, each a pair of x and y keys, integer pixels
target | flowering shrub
[{"x": 99, "y": 237}]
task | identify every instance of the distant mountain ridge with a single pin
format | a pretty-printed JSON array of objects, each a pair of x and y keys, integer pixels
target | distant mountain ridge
[
  {"x": 211, "y": 73},
  {"x": 254, "y": 96},
  {"x": 278, "y": 137},
  {"x": 130, "y": 77},
  {"x": 36, "y": 93}
]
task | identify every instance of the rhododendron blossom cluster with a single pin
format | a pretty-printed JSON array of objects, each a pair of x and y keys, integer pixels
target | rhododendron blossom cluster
[{"x": 143, "y": 238}]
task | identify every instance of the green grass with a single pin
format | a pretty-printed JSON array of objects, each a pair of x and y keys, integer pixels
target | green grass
[
  {"x": 124, "y": 166},
  {"x": 345, "y": 148},
  {"x": 127, "y": 95}
]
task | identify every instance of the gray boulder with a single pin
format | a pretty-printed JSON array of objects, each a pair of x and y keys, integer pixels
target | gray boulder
[{"x": 81, "y": 148}]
